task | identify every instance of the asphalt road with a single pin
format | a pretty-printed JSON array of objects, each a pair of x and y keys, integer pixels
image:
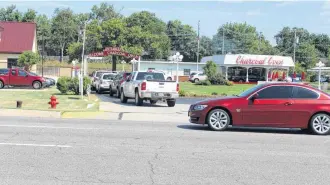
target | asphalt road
[{"x": 53, "y": 151}]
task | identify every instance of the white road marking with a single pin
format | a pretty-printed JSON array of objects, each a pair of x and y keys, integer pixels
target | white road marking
[
  {"x": 50, "y": 127},
  {"x": 35, "y": 145}
]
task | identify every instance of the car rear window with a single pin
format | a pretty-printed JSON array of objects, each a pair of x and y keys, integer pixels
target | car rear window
[
  {"x": 150, "y": 76},
  {"x": 4, "y": 71},
  {"x": 108, "y": 76}
]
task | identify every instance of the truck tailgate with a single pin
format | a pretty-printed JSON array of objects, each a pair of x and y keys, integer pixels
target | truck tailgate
[{"x": 163, "y": 86}]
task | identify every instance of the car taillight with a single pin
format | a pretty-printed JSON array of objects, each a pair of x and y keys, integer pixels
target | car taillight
[
  {"x": 177, "y": 87},
  {"x": 143, "y": 86}
]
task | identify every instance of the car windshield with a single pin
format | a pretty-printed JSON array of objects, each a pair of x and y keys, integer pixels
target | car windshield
[
  {"x": 150, "y": 76},
  {"x": 251, "y": 90},
  {"x": 33, "y": 74},
  {"x": 108, "y": 76},
  {"x": 192, "y": 74}
]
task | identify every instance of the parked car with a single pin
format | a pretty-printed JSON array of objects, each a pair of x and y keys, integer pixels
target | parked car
[
  {"x": 49, "y": 81},
  {"x": 20, "y": 77},
  {"x": 285, "y": 105},
  {"x": 95, "y": 76},
  {"x": 197, "y": 76},
  {"x": 150, "y": 86},
  {"x": 103, "y": 83},
  {"x": 116, "y": 82}
]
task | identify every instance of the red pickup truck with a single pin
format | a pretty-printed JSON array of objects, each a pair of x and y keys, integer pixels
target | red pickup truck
[{"x": 20, "y": 77}]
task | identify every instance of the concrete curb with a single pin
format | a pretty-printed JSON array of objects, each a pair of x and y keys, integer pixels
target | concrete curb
[{"x": 29, "y": 113}]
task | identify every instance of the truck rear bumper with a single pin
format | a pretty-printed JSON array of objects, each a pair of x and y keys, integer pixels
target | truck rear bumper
[{"x": 159, "y": 95}]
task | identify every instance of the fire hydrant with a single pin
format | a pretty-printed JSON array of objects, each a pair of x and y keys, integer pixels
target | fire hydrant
[{"x": 53, "y": 102}]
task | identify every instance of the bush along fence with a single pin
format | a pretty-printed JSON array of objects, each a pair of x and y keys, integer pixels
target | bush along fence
[{"x": 68, "y": 85}]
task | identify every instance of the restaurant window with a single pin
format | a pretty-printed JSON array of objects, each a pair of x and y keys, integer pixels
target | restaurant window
[{"x": 186, "y": 72}]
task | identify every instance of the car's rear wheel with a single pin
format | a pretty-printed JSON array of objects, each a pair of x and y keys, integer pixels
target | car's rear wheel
[
  {"x": 170, "y": 103},
  {"x": 218, "y": 119},
  {"x": 110, "y": 92},
  {"x": 153, "y": 102},
  {"x": 196, "y": 80},
  {"x": 36, "y": 85},
  {"x": 123, "y": 98},
  {"x": 118, "y": 93},
  {"x": 138, "y": 100},
  {"x": 1, "y": 85},
  {"x": 320, "y": 124}
]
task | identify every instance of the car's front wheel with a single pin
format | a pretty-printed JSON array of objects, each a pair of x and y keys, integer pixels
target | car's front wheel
[
  {"x": 320, "y": 124},
  {"x": 218, "y": 120},
  {"x": 36, "y": 85},
  {"x": 123, "y": 98},
  {"x": 196, "y": 80}
]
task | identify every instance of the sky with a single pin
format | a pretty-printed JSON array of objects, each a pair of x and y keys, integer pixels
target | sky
[{"x": 269, "y": 17}]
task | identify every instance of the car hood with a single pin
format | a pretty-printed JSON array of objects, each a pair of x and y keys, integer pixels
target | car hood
[{"x": 211, "y": 100}]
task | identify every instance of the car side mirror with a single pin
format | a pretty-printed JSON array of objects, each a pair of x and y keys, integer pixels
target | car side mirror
[{"x": 254, "y": 97}]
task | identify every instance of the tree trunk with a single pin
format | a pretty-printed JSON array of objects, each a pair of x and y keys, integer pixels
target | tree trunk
[
  {"x": 114, "y": 62},
  {"x": 62, "y": 50}
]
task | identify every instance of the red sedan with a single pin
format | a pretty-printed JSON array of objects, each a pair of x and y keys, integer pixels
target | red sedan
[{"x": 282, "y": 105}]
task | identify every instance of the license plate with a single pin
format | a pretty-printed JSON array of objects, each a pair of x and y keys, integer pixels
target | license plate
[
  {"x": 161, "y": 86},
  {"x": 158, "y": 94}
]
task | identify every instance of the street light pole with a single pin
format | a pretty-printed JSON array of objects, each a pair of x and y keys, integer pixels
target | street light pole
[
  {"x": 42, "y": 55},
  {"x": 177, "y": 58},
  {"x": 82, "y": 65},
  {"x": 320, "y": 65},
  {"x": 198, "y": 46},
  {"x": 223, "y": 40}
]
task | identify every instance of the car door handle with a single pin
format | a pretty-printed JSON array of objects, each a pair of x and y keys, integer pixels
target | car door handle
[{"x": 288, "y": 103}]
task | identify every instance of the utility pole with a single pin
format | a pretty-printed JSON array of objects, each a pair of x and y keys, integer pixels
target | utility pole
[
  {"x": 294, "y": 46},
  {"x": 198, "y": 46},
  {"x": 42, "y": 55},
  {"x": 82, "y": 69},
  {"x": 259, "y": 41},
  {"x": 223, "y": 41}
]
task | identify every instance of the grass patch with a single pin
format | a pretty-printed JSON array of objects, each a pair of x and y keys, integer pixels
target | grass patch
[
  {"x": 38, "y": 100},
  {"x": 192, "y": 89}
]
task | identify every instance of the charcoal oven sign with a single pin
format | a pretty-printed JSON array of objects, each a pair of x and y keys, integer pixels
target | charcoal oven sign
[
  {"x": 267, "y": 60},
  {"x": 113, "y": 51}
]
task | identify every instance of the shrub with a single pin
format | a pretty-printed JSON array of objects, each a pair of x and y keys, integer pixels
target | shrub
[
  {"x": 210, "y": 69},
  {"x": 217, "y": 79},
  {"x": 63, "y": 84},
  {"x": 229, "y": 83},
  {"x": 182, "y": 93},
  {"x": 66, "y": 84},
  {"x": 223, "y": 94},
  {"x": 214, "y": 93},
  {"x": 204, "y": 82}
]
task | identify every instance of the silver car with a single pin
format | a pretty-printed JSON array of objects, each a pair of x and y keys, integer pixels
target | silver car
[
  {"x": 197, "y": 76},
  {"x": 102, "y": 84}
]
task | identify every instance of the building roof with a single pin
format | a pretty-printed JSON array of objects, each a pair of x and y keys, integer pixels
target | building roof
[
  {"x": 17, "y": 37},
  {"x": 271, "y": 61}
]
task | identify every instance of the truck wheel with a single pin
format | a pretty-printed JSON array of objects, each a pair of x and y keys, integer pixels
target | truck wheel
[
  {"x": 36, "y": 85},
  {"x": 111, "y": 92},
  {"x": 1, "y": 84},
  {"x": 138, "y": 100},
  {"x": 170, "y": 103},
  {"x": 153, "y": 102},
  {"x": 123, "y": 99},
  {"x": 118, "y": 93}
]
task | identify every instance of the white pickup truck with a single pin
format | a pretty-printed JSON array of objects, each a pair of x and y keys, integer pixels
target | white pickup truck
[{"x": 150, "y": 86}]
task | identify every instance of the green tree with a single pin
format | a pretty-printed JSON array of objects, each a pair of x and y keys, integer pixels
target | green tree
[
  {"x": 63, "y": 29},
  {"x": 205, "y": 47},
  {"x": 210, "y": 69},
  {"x": 10, "y": 14},
  {"x": 29, "y": 16},
  {"x": 104, "y": 12},
  {"x": 306, "y": 55},
  {"x": 27, "y": 59},
  {"x": 240, "y": 38},
  {"x": 183, "y": 39},
  {"x": 44, "y": 33},
  {"x": 74, "y": 51}
]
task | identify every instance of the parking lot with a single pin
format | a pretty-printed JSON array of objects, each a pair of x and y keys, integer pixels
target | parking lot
[{"x": 159, "y": 112}]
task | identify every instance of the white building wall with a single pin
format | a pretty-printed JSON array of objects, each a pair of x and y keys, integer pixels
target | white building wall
[{"x": 170, "y": 68}]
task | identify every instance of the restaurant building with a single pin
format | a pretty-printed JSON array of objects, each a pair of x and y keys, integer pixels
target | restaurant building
[{"x": 249, "y": 68}]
